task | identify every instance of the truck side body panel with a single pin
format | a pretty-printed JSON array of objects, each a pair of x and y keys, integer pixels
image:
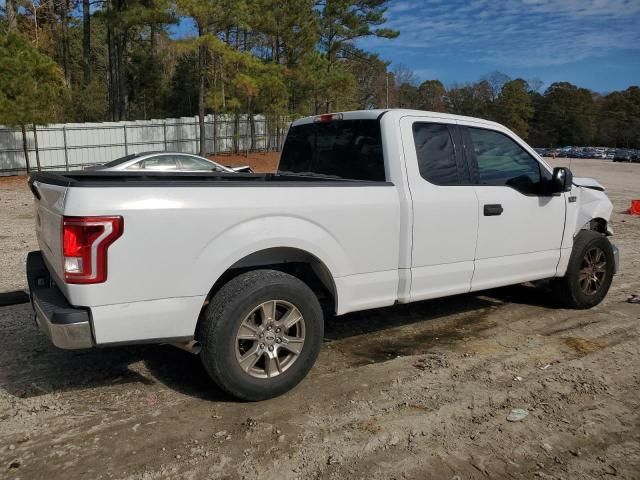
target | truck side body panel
[{"x": 178, "y": 241}]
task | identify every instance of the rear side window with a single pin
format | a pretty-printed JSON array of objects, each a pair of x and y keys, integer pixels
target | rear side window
[
  {"x": 135, "y": 166},
  {"x": 502, "y": 162},
  {"x": 436, "y": 154},
  {"x": 347, "y": 149}
]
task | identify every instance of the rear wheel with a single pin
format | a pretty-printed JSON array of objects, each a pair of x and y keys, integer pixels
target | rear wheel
[
  {"x": 589, "y": 273},
  {"x": 261, "y": 334}
]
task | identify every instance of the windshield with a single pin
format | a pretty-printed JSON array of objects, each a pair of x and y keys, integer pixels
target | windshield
[{"x": 346, "y": 149}]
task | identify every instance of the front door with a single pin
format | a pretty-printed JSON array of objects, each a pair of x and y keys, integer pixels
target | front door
[
  {"x": 445, "y": 208},
  {"x": 520, "y": 225}
]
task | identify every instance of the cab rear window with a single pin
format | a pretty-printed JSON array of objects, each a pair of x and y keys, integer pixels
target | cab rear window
[{"x": 346, "y": 149}]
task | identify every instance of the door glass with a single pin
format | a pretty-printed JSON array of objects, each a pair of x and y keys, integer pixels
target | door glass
[
  {"x": 436, "y": 155},
  {"x": 161, "y": 162},
  {"x": 502, "y": 162}
]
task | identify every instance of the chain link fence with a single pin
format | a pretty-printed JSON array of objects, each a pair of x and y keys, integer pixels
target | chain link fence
[{"x": 76, "y": 145}]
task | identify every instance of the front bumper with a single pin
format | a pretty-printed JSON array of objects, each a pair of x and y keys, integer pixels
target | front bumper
[{"x": 66, "y": 326}]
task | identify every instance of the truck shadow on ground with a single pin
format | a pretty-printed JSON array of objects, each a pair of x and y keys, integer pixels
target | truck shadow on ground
[{"x": 32, "y": 367}]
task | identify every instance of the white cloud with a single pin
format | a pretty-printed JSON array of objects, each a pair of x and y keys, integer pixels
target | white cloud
[
  {"x": 514, "y": 33},
  {"x": 425, "y": 73},
  {"x": 400, "y": 7}
]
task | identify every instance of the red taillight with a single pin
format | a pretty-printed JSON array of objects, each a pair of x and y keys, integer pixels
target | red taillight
[
  {"x": 327, "y": 117},
  {"x": 84, "y": 247}
]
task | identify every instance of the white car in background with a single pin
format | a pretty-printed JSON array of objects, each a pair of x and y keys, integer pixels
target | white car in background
[{"x": 167, "y": 161}]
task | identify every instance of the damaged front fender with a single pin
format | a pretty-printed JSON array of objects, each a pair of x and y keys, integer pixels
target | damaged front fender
[
  {"x": 586, "y": 182},
  {"x": 587, "y": 207}
]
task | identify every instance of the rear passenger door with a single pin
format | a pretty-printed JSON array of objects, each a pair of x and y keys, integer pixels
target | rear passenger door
[
  {"x": 520, "y": 225},
  {"x": 445, "y": 208}
]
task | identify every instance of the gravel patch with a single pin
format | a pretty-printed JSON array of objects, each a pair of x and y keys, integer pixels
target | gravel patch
[{"x": 17, "y": 235}]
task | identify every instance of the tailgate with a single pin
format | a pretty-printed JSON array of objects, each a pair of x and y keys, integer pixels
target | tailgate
[{"x": 49, "y": 200}]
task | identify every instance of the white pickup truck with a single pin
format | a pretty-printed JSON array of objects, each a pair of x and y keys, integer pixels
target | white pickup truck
[{"x": 367, "y": 209}]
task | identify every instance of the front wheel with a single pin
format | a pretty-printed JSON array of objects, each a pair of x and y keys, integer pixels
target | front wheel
[
  {"x": 589, "y": 273},
  {"x": 261, "y": 334}
]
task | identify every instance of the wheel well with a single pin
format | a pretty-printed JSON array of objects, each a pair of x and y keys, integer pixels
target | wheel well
[
  {"x": 597, "y": 225},
  {"x": 293, "y": 261}
]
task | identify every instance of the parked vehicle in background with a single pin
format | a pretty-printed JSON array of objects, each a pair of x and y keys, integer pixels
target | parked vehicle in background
[
  {"x": 626, "y": 155},
  {"x": 543, "y": 152},
  {"x": 367, "y": 209},
  {"x": 576, "y": 153},
  {"x": 548, "y": 152},
  {"x": 622, "y": 155},
  {"x": 617, "y": 155},
  {"x": 166, "y": 161}
]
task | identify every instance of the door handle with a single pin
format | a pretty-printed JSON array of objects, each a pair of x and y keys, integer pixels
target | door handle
[{"x": 493, "y": 210}]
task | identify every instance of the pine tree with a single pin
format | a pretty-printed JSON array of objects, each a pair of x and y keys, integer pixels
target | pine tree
[{"x": 32, "y": 85}]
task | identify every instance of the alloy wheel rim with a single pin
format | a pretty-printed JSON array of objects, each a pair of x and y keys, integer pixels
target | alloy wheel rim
[
  {"x": 270, "y": 339},
  {"x": 592, "y": 271}
]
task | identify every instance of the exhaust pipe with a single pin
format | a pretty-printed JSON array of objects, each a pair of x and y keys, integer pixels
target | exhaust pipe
[{"x": 192, "y": 346}]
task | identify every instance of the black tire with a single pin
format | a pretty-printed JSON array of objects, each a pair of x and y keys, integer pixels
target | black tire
[
  {"x": 568, "y": 289},
  {"x": 227, "y": 311}
]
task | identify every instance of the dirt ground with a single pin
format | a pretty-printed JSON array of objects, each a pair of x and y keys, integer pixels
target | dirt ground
[
  {"x": 259, "y": 162},
  {"x": 418, "y": 391},
  {"x": 17, "y": 236}
]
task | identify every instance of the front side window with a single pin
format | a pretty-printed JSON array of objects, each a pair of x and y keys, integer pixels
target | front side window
[
  {"x": 436, "y": 154},
  {"x": 502, "y": 162},
  {"x": 346, "y": 149}
]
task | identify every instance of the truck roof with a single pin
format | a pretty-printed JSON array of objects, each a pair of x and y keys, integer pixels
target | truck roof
[{"x": 400, "y": 112}]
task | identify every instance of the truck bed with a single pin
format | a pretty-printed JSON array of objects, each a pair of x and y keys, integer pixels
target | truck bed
[{"x": 178, "y": 240}]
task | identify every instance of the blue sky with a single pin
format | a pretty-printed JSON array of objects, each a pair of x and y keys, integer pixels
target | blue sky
[{"x": 592, "y": 43}]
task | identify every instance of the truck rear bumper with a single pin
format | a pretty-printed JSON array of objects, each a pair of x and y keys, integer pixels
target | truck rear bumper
[{"x": 66, "y": 326}]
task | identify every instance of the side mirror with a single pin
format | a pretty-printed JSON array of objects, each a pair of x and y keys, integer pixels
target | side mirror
[{"x": 562, "y": 180}]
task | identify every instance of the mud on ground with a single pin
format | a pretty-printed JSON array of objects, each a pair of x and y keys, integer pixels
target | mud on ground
[{"x": 418, "y": 391}]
